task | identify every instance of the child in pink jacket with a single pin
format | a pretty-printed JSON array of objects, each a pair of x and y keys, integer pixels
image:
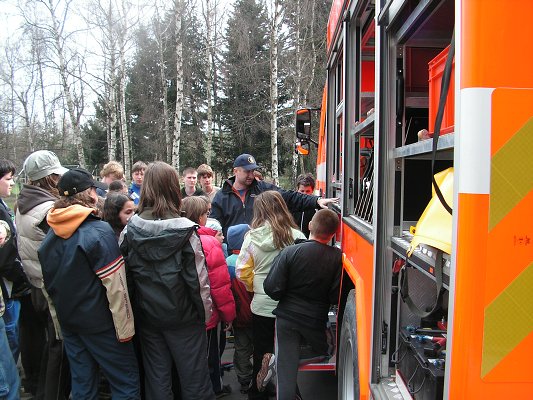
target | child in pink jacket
[{"x": 196, "y": 209}]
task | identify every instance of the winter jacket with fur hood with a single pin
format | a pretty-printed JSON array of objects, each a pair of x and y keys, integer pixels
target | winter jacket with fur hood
[{"x": 219, "y": 279}]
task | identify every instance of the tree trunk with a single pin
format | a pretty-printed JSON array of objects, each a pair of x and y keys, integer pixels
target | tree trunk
[
  {"x": 209, "y": 81},
  {"x": 313, "y": 52},
  {"x": 124, "y": 135},
  {"x": 179, "y": 86},
  {"x": 160, "y": 37},
  {"x": 111, "y": 86},
  {"x": 274, "y": 41},
  {"x": 298, "y": 86}
]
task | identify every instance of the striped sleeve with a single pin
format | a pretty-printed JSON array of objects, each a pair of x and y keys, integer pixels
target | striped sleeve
[{"x": 108, "y": 265}]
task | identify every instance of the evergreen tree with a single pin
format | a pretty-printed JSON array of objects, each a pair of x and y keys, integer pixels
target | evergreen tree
[{"x": 245, "y": 108}]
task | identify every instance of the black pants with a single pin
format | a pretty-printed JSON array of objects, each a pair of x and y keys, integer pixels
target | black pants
[
  {"x": 289, "y": 337},
  {"x": 32, "y": 340},
  {"x": 263, "y": 339},
  {"x": 55, "y": 370}
]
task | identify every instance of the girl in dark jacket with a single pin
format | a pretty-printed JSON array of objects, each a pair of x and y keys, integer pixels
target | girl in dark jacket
[
  {"x": 196, "y": 209},
  {"x": 169, "y": 287}
]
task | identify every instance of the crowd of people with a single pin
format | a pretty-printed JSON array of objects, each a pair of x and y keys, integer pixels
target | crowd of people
[{"x": 130, "y": 291}]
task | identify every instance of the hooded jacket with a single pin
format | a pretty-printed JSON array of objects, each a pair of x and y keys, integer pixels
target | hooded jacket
[
  {"x": 219, "y": 280},
  {"x": 242, "y": 297},
  {"x": 166, "y": 270},
  {"x": 33, "y": 205},
  {"x": 84, "y": 273},
  {"x": 228, "y": 208},
  {"x": 253, "y": 264}
]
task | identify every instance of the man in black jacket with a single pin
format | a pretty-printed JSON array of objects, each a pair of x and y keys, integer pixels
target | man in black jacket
[
  {"x": 234, "y": 203},
  {"x": 305, "y": 279}
]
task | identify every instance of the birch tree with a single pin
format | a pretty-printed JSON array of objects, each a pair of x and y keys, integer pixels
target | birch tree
[
  {"x": 103, "y": 19},
  {"x": 161, "y": 36},
  {"x": 275, "y": 26},
  {"x": 63, "y": 58},
  {"x": 179, "y": 10},
  {"x": 208, "y": 11}
]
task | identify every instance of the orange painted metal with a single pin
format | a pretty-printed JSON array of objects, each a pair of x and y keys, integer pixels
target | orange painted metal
[
  {"x": 334, "y": 20},
  {"x": 496, "y": 52},
  {"x": 478, "y": 272},
  {"x": 496, "y": 45},
  {"x": 359, "y": 265}
]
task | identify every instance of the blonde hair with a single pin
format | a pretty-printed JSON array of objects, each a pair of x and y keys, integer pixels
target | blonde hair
[
  {"x": 113, "y": 168},
  {"x": 270, "y": 208}
]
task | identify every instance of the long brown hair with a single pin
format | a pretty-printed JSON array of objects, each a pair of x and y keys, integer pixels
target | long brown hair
[
  {"x": 48, "y": 183},
  {"x": 160, "y": 190},
  {"x": 269, "y": 207},
  {"x": 82, "y": 198}
]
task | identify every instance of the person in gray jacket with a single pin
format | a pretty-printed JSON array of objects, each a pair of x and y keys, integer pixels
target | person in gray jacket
[
  {"x": 36, "y": 198},
  {"x": 168, "y": 282}
]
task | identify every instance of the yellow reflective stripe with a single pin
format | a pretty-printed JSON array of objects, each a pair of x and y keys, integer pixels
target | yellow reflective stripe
[
  {"x": 511, "y": 174},
  {"x": 508, "y": 320}
]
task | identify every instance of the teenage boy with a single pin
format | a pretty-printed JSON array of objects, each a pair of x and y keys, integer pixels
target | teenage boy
[
  {"x": 205, "y": 177},
  {"x": 137, "y": 177},
  {"x": 305, "y": 279},
  {"x": 304, "y": 184},
  {"x": 190, "y": 177}
]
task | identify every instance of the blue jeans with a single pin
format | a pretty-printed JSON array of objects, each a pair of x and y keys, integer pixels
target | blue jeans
[
  {"x": 11, "y": 320},
  {"x": 117, "y": 361},
  {"x": 9, "y": 376}
]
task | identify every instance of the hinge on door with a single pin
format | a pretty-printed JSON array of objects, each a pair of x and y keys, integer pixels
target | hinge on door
[
  {"x": 350, "y": 188},
  {"x": 384, "y": 337}
]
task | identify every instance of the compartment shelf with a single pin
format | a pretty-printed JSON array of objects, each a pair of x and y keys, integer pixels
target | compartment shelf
[
  {"x": 423, "y": 258},
  {"x": 365, "y": 125},
  {"x": 422, "y": 149}
]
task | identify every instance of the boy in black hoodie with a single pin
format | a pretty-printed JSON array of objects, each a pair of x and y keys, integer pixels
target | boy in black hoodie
[{"x": 305, "y": 279}]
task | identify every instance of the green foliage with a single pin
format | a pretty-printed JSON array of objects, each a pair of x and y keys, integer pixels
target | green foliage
[{"x": 245, "y": 108}]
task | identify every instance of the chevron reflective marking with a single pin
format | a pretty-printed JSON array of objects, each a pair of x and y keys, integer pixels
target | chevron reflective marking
[
  {"x": 511, "y": 173},
  {"x": 504, "y": 330}
]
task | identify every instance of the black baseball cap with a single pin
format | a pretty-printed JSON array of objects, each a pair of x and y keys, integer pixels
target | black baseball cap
[
  {"x": 246, "y": 161},
  {"x": 77, "y": 180}
]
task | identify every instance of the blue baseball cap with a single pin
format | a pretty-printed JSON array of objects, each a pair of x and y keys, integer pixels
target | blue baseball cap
[{"x": 246, "y": 161}]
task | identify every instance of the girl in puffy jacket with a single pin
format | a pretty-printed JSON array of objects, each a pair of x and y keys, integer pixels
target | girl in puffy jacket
[{"x": 197, "y": 209}]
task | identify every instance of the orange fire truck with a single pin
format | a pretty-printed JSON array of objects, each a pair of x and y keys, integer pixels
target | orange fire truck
[{"x": 426, "y": 122}]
